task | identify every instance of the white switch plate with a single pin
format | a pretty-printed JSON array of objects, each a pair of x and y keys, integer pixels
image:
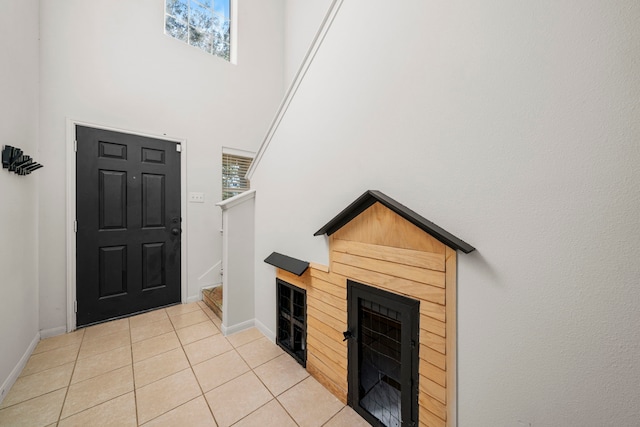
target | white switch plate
[{"x": 196, "y": 197}]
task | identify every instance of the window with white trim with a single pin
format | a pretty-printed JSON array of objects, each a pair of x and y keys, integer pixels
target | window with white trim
[
  {"x": 205, "y": 24},
  {"x": 235, "y": 164}
]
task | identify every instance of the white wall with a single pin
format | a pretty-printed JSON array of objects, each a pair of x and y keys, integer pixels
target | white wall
[
  {"x": 515, "y": 126},
  {"x": 108, "y": 62},
  {"x": 238, "y": 246},
  {"x": 18, "y": 194},
  {"x": 302, "y": 19}
]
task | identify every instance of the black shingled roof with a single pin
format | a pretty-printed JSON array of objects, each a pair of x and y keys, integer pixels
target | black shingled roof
[{"x": 372, "y": 196}]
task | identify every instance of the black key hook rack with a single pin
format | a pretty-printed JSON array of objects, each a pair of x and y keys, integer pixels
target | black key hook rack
[{"x": 16, "y": 161}]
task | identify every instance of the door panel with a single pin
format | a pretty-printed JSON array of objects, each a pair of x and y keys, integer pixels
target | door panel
[
  {"x": 113, "y": 199},
  {"x": 128, "y": 213},
  {"x": 153, "y": 200},
  {"x": 382, "y": 355},
  {"x": 154, "y": 271},
  {"x": 113, "y": 265}
]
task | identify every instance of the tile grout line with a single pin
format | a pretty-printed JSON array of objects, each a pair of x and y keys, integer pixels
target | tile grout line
[
  {"x": 272, "y": 394},
  {"x": 190, "y": 367},
  {"x": 263, "y": 384},
  {"x": 104, "y": 373},
  {"x": 194, "y": 372},
  {"x": 85, "y": 339},
  {"x": 334, "y": 415},
  {"x": 90, "y": 378},
  {"x": 182, "y": 370},
  {"x": 73, "y": 371},
  {"x": 201, "y": 390},
  {"x": 133, "y": 376},
  {"x": 235, "y": 349},
  {"x": 165, "y": 412},
  {"x": 43, "y": 370},
  {"x": 51, "y": 367},
  {"x": 134, "y": 387},
  {"x": 284, "y": 391},
  {"x": 274, "y": 397},
  {"x": 46, "y": 393},
  {"x": 252, "y": 370},
  {"x": 174, "y": 330}
]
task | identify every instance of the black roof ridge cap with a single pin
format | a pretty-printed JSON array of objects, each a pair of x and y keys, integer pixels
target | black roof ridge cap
[
  {"x": 369, "y": 197},
  {"x": 353, "y": 210}
]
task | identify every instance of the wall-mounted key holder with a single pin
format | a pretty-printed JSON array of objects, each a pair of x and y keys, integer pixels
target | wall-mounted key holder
[{"x": 16, "y": 161}]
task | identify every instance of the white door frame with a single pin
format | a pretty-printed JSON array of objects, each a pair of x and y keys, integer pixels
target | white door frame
[{"x": 71, "y": 210}]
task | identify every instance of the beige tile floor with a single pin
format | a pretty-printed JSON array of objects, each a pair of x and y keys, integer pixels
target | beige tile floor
[{"x": 169, "y": 367}]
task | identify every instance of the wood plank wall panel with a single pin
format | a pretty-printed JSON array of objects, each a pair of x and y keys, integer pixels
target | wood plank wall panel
[
  {"x": 451, "y": 272},
  {"x": 377, "y": 265},
  {"x": 432, "y": 325},
  {"x": 391, "y": 282},
  {"x": 435, "y": 374},
  {"x": 433, "y": 389},
  {"x": 326, "y": 320},
  {"x": 335, "y": 372},
  {"x": 433, "y": 357},
  {"x": 401, "y": 256},
  {"x": 437, "y": 311},
  {"x": 381, "y": 249},
  {"x": 433, "y": 406},
  {"x": 428, "y": 419},
  {"x": 396, "y": 232},
  {"x": 316, "y": 370}
]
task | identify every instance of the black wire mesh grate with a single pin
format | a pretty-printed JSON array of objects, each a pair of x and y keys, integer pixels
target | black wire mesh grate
[
  {"x": 380, "y": 366},
  {"x": 292, "y": 321}
]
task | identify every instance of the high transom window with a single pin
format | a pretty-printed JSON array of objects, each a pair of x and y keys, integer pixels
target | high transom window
[{"x": 205, "y": 24}]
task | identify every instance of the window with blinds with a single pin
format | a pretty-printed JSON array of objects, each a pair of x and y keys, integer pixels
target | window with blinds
[{"x": 234, "y": 170}]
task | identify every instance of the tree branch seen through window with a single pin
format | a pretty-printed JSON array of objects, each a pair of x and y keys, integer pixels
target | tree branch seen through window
[{"x": 205, "y": 24}]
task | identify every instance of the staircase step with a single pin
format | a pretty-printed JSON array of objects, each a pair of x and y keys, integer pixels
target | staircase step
[{"x": 213, "y": 299}]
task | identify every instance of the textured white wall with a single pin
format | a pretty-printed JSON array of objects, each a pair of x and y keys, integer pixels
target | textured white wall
[
  {"x": 515, "y": 126},
  {"x": 108, "y": 62},
  {"x": 302, "y": 19},
  {"x": 238, "y": 242},
  {"x": 18, "y": 194}
]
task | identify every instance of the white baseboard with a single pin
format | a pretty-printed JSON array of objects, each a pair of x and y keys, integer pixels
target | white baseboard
[
  {"x": 15, "y": 373},
  {"x": 194, "y": 298},
  {"x": 48, "y": 333},
  {"x": 229, "y": 330},
  {"x": 265, "y": 331}
]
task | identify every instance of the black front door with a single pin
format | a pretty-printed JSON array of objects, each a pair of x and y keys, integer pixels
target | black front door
[
  {"x": 128, "y": 234},
  {"x": 383, "y": 356}
]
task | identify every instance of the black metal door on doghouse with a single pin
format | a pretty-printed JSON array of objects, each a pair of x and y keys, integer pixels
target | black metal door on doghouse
[
  {"x": 292, "y": 320},
  {"x": 383, "y": 355},
  {"x": 129, "y": 224}
]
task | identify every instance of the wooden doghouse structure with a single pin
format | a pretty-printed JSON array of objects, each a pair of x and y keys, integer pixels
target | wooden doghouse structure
[{"x": 380, "y": 243}]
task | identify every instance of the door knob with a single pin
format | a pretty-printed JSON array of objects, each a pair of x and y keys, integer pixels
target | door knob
[
  {"x": 175, "y": 231},
  {"x": 347, "y": 335}
]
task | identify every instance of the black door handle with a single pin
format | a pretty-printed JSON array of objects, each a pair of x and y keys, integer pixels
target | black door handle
[
  {"x": 347, "y": 335},
  {"x": 176, "y": 231}
]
